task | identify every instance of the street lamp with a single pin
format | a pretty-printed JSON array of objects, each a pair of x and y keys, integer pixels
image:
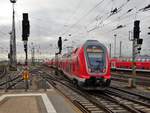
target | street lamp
[
  {"x": 13, "y": 59},
  {"x": 115, "y": 45},
  {"x": 32, "y": 53}
]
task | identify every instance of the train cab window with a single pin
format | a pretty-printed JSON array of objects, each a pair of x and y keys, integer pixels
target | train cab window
[{"x": 96, "y": 58}]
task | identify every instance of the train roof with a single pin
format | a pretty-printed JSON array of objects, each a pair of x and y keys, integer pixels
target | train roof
[
  {"x": 93, "y": 42},
  {"x": 87, "y": 42}
]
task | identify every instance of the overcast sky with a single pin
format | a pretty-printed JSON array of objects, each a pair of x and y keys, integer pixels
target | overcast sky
[{"x": 75, "y": 20}]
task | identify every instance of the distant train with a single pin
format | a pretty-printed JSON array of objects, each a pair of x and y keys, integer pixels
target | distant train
[
  {"x": 87, "y": 66},
  {"x": 126, "y": 64}
]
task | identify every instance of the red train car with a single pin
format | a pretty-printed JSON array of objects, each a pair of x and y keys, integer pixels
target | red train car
[
  {"x": 142, "y": 65},
  {"x": 87, "y": 66}
]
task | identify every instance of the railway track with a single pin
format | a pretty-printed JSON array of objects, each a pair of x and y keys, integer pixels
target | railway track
[
  {"x": 10, "y": 81},
  {"x": 78, "y": 98},
  {"x": 96, "y": 102},
  {"x": 136, "y": 97},
  {"x": 129, "y": 74},
  {"x": 2, "y": 72},
  {"x": 144, "y": 81}
]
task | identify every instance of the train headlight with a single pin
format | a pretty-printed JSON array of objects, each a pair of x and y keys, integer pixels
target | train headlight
[
  {"x": 104, "y": 70},
  {"x": 105, "y": 79},
  {"x": 90, "y": 70}
]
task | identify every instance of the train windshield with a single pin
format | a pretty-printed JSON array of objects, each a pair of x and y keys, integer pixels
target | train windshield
[{"x": 96, "y": 58}]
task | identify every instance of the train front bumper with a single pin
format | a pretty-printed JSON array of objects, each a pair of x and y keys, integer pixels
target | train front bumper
[{"x": 95, "y": 82}]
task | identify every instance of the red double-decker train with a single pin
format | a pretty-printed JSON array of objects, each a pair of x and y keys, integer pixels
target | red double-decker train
[
  {"x": 142, "y": 65},
  {"x": 87, "y": 66}
]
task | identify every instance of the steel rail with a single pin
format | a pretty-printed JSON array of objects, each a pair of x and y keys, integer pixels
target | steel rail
[
  {"x": 3, "y": 73},
  {"x": 92, "y": 99},
  {"x": 130, "y": 96},
  {"x": 108, "y": 96},
  {"x": 18, "y": 78}
]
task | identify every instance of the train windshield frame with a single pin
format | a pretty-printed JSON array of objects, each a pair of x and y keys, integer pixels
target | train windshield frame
[{"x": 96, "y": 58}]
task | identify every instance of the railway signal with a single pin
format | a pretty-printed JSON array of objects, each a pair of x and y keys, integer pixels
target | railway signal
[
  {"x": 60, "y": 45},
  {"x": 136, "y": 34},
  {"x": 25, "y": 27},
  {"x": 25, "y": 34},
  {"x": 137, "y": 42},
  {"x": 136, "y": 29},
  {"x": 60, "y": 49}
]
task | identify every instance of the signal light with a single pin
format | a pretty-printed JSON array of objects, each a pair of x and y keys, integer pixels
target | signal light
[
  {"x": 25, "y": 27},
  {"x": 139, "y": 48},
  {"x": 90, "y": 70},
  {"x": 104, "y": 70},
  {"x": 60, "y": 44},
  {"x": 136, "y": 29},
  {"x": 140, "y": 41},
  {"x": 25, "y": 47}
]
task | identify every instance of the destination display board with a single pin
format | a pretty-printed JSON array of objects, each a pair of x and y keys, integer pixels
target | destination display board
[{"x": 94, "y": 50}]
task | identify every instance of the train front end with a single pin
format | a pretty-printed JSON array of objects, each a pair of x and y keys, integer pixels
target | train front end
[{"x": 97, "y": 64}]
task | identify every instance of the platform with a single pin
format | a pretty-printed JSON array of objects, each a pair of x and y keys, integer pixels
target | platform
[{"x": 32, "y": 102}]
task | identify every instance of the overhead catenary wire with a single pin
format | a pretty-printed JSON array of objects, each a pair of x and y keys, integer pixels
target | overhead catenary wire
[
  {"x": 73, "y": 14},
  {"x": 96, "y": 27},
  {"x": 129, "y": 10},
  {"x": 44, "y": 29},
  {"x": 112, "y": 12},
  {"x": 113, "y": 23},
  {"x": 98, "y": 17},
  {"x": 127, "y": 24},
  {"x": 83, "y": 16}
]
